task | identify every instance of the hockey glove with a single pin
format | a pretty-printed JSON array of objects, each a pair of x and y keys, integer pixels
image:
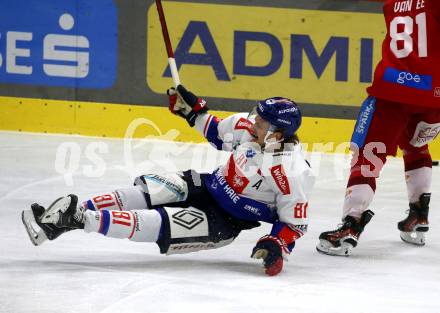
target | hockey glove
[
  {"x": 185, "y": 104},
  {"x": 270, "y": 249}
]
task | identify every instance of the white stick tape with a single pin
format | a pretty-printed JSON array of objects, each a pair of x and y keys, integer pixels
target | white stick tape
[{"x": 174, "y": 72}]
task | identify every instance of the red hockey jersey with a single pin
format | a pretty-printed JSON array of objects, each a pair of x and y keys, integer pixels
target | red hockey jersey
[{"x": 409, "y": 71}]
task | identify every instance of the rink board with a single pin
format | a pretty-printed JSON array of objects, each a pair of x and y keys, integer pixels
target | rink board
[
  {"x": 117, "y": 120},
  {"x": 318, "y": 57},
  {"x": 318, "y": 53}
]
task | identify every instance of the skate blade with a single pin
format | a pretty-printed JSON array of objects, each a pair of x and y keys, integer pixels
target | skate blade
[
  {"x": 415, "y": 238},
  {"x": 36, "y": 236},
  {"x": 51, "y": 215},
  {"x": 326, "y": 247}
]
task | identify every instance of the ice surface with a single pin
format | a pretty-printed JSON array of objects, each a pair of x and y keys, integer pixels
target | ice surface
[{"x": 89, "y": 273}]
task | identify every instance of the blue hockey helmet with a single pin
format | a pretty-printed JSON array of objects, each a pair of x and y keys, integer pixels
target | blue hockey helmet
[{"x": 282, "y": 114}]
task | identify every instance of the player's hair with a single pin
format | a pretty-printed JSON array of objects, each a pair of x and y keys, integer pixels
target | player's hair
[
  {"x": 293, "y": 139},
  {"x": 287, "y": 144}
]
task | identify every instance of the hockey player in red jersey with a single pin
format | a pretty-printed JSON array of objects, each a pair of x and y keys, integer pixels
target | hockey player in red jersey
[
  {"x": 265, "y": 180},
  {"x": 402, "y": 110}
]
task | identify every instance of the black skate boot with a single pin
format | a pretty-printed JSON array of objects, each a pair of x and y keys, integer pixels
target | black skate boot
[
  {"x": 414, "y": 227},
  {"x": 61, "y": 216},
  {"x": 341, "y": 241}
]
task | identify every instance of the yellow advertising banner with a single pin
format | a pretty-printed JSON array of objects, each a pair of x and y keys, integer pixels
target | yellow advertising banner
[{"x": 244, "y": 52}]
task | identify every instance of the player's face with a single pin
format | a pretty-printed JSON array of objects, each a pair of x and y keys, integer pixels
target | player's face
[{"x": 260, "y": 129}]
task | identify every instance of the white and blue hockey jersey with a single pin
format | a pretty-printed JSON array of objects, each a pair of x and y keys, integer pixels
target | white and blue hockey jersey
[{"x": 255, "y": 185}]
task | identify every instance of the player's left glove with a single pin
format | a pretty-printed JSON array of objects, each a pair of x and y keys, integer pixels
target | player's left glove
[
  {"x": 271, "y": 250},
  {"x": 185, "y": 104}
]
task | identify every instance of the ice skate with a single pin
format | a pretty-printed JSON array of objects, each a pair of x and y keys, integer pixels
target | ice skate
[
  {"x": 341, "y": 241},
  {"x": 61, "y": 216},
  {"x": 414, "y": 227}
]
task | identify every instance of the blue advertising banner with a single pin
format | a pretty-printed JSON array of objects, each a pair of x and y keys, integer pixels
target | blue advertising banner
[{"x": 69, "y": 43}]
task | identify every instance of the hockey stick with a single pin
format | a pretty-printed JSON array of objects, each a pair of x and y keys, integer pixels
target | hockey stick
[{"x": 168, "y": 46}]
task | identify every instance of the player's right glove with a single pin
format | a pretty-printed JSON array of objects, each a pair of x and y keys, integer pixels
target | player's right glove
[
  {"x": 185, "y": 104},
  {"x": 270, "y": 249}
]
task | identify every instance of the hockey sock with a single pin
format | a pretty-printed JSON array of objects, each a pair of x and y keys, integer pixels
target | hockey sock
[
  {"x": 418, "y": 174},
  {"x": 360, "y": 191},
  {"x": 418, "y": 181},
  {"x": 136, "y": 225},
  {"x": 357, "y": 200},
  {"x": 132, "y": 198}
]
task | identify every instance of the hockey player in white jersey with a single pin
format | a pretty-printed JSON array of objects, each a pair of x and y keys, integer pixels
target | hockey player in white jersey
[{"x": 266, "y": 179}]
